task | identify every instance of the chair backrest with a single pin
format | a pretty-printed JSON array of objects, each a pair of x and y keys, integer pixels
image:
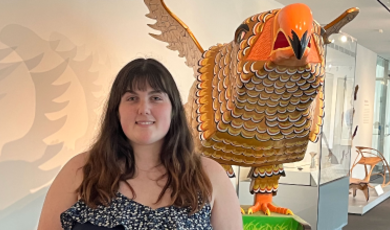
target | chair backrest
[{"x": 367, "y": 152}]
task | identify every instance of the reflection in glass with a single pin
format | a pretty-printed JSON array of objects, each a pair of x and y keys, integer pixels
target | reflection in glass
[
  {"x": 381, "y": 122},
  {"x": 339, "y": 89}
]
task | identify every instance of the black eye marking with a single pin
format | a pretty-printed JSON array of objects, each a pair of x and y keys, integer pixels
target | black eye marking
[{"x": 240, "y": 32}]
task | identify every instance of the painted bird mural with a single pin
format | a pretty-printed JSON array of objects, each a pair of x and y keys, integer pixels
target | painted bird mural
[{"x": 258, "y": 100}]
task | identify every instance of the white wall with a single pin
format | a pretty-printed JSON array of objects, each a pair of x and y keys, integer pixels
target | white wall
[
  {"x": 364, "y": 105},
  {"x": 57, "y": 62}
]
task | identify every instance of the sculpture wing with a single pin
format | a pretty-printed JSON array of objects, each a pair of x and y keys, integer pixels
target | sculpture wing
[
  {"x": 318, "y": 112},
  {"x": 338, "y": 23},
  {"x": 174, "y": 32},
  {"x": 317, "y": 107}
]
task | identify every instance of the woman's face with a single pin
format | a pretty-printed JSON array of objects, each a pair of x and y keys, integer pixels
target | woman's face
[{"x": 145, "y": 116}]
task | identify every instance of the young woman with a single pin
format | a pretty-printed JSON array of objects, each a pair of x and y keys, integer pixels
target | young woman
[{"x": 142, "y": 171}]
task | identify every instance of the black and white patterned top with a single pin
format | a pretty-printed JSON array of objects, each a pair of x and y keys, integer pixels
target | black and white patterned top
[{"x": 135, "y": 216}]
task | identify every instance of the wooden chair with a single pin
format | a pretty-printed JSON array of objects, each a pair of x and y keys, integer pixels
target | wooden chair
[{"x": 368, "y": 157}]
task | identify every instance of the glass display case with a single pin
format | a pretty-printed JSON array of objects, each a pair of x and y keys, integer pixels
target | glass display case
[
  {"x": 327, "y": 160},
  {"x": 339, "y": 97}
]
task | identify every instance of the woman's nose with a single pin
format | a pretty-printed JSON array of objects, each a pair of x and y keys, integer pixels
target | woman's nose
[{"x": 144, "y": 108}]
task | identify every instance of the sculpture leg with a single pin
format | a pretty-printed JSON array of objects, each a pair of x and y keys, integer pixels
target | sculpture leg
[
  {"x": 229, "y": 170},
  {"x": 264, "y": 184}
]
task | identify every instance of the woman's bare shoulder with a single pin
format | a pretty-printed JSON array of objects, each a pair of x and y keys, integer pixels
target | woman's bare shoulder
[
  {"x": 76, "y": 162},
  {"x": 71, "y": 175},
  {"x": 74, "y": 165},
  {"x": 215, "y": 172},
  {"x": 211, "y": 167},
  {"x": 62, "y": 193},
  {"x": 225, "y": 206}
]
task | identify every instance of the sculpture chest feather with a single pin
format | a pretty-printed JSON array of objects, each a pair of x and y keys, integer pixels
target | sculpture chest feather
[{"x": 253, "y": 113}]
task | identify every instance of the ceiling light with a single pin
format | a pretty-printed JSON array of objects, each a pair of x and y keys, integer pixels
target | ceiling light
[
  {"x": 344, "y": 38},
  {"x": 381, "y": 31}
]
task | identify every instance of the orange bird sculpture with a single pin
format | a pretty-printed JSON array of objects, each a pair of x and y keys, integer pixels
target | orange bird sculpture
[{"x": 258, "y": 100}]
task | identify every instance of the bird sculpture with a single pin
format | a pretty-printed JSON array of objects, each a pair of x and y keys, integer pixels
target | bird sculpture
[{"x": 258, "y": 100}]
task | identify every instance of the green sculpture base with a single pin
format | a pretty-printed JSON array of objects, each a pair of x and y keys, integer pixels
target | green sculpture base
[{"x": 259, "y": 221}]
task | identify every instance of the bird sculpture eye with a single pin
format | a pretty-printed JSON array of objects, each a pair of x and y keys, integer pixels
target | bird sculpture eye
[
  {"x": 240, "y": 33},
  {"x": 240, "y": 36}
]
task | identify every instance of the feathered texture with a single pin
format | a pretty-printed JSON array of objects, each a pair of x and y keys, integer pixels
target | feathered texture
[
  {"x": 258, "y": 100},
  {"x": 174, "y": 32},
  {"x": 255, "y": 113}
]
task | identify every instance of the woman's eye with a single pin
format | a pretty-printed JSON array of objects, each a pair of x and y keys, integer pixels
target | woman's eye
[
  {"x": 156, "y": 98},
  {"x": 131, "y": 99}
]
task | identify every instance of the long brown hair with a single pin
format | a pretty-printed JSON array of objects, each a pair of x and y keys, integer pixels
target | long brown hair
[{"x": 104, "y": 168}]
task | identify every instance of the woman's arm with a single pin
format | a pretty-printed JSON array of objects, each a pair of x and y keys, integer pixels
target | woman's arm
[
  {"x": 226, "y": 213},
  {"x": 62, "y": 193}
]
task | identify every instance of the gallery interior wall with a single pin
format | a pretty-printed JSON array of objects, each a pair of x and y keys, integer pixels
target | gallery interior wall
[
  {"x": 57, "y": 62},
  {"x": 364, "y": 105}
]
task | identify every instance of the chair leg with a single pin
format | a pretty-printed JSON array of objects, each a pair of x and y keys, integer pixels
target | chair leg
[{"x": 366, "y": 192}]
